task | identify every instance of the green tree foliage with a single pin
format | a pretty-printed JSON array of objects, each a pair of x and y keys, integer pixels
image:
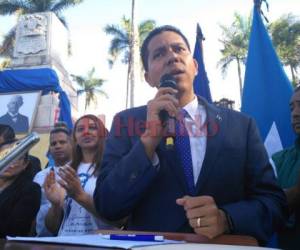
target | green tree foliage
[
  {"x": 285, "y": 33},
  {"x": 120, "y": 45},
  {"x": 235, "y": 40},
  {"x": 20, "y": 7},
  {"x": 91, "y": 86},
  {"x": 121, "y": 35}
]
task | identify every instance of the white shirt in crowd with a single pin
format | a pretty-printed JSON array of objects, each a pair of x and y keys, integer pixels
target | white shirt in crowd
[
  {"x": 39, "y": 178},
  {"x": 77, "y": 220}
]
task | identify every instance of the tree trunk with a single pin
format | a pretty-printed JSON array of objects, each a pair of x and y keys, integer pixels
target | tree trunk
[
  {"x": 293, "y": 75},
  {"x": 134, "y": 54},
  {"x": 240, "y": 78},
  {"x": 128, "y": 83}
]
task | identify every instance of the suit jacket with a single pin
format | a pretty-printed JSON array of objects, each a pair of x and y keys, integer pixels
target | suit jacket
[
  {"x": 235, "y": 172},
  {"x": 21, "y": 125}
]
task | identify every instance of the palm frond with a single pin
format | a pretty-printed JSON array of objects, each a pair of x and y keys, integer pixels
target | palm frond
[
  {"x": 7, "y": 46},
  {"x": 9, "y": 7},
  {"x": 102, "y": 93},
  {"x": 79, "y": 79},
  {"x": 116, "y": 31},
  {"x": 91, "y": 73},
  {"x": 224, "y": 63},
  {"x": 89, "y": 85},
  {"x": 63, "y": 20},
  {"x": 64, "y": 4},
  {"x": 145, "y": 27}
]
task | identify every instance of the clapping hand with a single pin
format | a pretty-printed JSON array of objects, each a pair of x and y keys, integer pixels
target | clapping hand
[
  {"x": 70, "y": 182},
  {"x": 54, "y": 192}
]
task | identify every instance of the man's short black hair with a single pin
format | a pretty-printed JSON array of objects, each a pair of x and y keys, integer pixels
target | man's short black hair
[
  {"x": 61, "y": 127},
  {"x": 153, "y": 33}
]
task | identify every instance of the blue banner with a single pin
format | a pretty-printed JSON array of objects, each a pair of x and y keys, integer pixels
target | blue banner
[
  {"x": 201, "y": 83},
  {"x": 267, "y": 90}
]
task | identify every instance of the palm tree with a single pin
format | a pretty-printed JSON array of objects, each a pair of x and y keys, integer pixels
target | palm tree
[
  {"x": 90, "y": 86},
  {"x": 21, "y": 7},
  {"x": 121, "y": 43},
  {"x": 285, "y": 33},
  {"x": 235, "y": 42}
]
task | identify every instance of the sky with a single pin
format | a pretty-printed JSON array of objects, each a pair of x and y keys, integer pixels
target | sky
[{"x": 90, "y": 43}]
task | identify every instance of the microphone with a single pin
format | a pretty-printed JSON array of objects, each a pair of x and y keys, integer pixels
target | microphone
[{"x": 168, "y": 122}]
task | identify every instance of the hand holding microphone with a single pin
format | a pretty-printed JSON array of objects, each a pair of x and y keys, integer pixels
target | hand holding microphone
[
  {"x": 169, "y": 122},
  {"x": 159, "y": 111}
]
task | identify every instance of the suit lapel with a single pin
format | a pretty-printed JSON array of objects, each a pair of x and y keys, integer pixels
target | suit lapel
[{"x": 215, "y": 136}]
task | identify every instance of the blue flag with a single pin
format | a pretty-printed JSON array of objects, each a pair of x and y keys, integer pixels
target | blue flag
[
  {"x": 267, "y": 90},
  {"x": 201, "y": 83}
]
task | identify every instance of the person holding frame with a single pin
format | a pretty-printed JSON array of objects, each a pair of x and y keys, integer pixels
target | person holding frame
[{"x": 19, "y": 197}]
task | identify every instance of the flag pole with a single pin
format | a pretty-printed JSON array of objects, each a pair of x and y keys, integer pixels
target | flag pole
[{"x": 201, "y": 82}]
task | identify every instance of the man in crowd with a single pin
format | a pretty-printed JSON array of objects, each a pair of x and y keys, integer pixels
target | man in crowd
[
  {"x": 60, "y": 148},
  {"x": 216, "y": 178},
  {"x": 287, "y": 163}
]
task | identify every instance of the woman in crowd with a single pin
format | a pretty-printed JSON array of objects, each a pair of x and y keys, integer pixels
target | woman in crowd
[
  {"x": 72, "y": 209},
  {"x": 7, "y": 133},
  {"x": 19, "y": 197}
]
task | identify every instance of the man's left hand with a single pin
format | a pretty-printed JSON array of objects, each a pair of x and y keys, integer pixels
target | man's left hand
[{"x": 204, "y": 216}]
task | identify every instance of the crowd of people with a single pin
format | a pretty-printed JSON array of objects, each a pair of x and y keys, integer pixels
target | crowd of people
[{"x": 216, "y": 179}]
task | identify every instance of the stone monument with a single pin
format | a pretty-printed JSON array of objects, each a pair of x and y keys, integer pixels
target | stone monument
[{"x": 42, "y": 42}]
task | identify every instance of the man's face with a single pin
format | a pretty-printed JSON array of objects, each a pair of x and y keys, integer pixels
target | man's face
[
  {"x": 168, "y": 54},
  {"x": 13, "y": 106},
  {"x": 60, "y": 148},
  {"x": 295, "y": 112}
]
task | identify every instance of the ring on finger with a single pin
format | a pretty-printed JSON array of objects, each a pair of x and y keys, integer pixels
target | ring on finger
[{"x": 198, "y": 222}]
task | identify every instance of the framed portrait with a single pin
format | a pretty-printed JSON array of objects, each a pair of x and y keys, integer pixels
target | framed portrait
[{"x": 18, "y": 110}]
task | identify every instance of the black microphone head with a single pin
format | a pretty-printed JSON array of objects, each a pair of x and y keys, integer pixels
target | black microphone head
[{"x": 167, "y": 80}]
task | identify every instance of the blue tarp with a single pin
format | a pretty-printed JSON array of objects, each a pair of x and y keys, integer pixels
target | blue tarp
[{"x": 44, "y": 79}]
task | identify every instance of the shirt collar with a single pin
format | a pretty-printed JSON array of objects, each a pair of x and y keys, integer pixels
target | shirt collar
[
  {"x": 12, "y": 115},
  {"x": 194, "y": 108}
]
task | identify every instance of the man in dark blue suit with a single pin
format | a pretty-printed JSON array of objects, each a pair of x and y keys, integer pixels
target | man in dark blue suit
[
  {"x": 13, "y": 118},
  {"x": 221, "y": 182}
]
